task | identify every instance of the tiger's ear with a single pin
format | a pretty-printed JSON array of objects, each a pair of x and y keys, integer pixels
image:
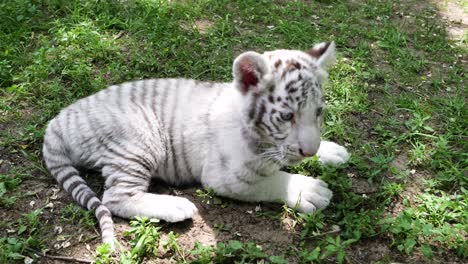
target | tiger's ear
[
  {"x": 324, "y": 53},
  {"x": 248, "y": 69}
]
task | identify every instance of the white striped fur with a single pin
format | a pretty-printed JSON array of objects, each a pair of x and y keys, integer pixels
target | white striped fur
[{"x": 231, "y": 137}]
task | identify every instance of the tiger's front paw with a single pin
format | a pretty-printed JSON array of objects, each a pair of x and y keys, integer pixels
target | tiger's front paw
[
  {"x": 330, "y": 153},
  {"x": 171, "y": 208},
  {"x": 308, "y": 194}
]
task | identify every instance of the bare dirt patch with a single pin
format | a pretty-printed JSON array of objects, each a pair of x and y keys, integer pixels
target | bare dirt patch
[
  {"x": 457, "y": 17},
  {"x": 203, "y": 25}
]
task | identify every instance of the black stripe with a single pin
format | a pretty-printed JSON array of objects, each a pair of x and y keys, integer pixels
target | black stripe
[
  {"x": 66, "y": 177},
  {"x": 223, "y": 160},
  {"x": 304, "y": 90},
  {"x": 80, "y": 191},
  {"x": 261, "y": 112},
  {"x": 83, "y": 141},
  {"x": 152, "y": 101},
  {"x": 253, "y": 106},
  {"x": 89, "y": 195},
  {"x": 75, "y": 184},
  {"x": 51, "y": 159},
  {"x": 252, "y": 145},
  {"x": 144, "y": 92},
  {"x": 171, "y": 132},
  {"x": 126, "y": 181},
  {"x": 133, "y": 92},
  {"x": 54, "y": 130},
  {"x": 102, "y": 213},
  {"x": 59, "y": 131},
  {"x": 131, "y": 171},
  {"x": 58, "y": 166},
  {"x": 183, "y": 150},
  {"x": 185, "y": 157},
  {"x": 164, "y": 99},
  {"x": 289, "y": 85},
  {"x": 273, "y": 123},
  {"x": 140, "y": 160},
  {"x": 107, "y": 224},
  {"x": 119, "y": 98},
  {"x": 110, "y": 137},
  {"x": 279, "y": 138},
  {"x": 95, "y": 204},
  {"x": 271, "y": 98},
  {"x": 68, "y": 116},
  {"x": 270, "y": 130},
  {"x": 52, "y": 150}
]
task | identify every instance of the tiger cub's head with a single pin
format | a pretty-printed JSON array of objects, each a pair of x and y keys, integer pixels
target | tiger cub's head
[{"x": 283, "y": 99}]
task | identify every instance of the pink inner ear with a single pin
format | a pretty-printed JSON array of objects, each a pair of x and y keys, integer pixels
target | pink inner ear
[
  {"x": 317, "y": 53},
  {"x": 249, "y": 78}
]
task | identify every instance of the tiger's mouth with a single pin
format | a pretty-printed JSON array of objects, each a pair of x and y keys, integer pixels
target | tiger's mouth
[{"x": 291, "y": 158}]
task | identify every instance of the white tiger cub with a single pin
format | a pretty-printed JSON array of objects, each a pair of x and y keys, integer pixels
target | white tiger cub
[{"x": 232, "y": 137}]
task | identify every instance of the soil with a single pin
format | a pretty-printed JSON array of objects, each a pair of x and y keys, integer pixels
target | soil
[{"x": 456, "y": 16}]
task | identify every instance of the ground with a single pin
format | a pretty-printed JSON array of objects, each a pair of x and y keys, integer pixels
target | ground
[{"x": 396, "y": 99}]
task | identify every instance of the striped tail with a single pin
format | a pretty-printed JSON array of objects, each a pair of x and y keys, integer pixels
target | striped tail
[{"x": 61, "y": 168}]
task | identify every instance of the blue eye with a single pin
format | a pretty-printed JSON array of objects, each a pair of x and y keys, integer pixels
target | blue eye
[{"x": 287, "y": 117}]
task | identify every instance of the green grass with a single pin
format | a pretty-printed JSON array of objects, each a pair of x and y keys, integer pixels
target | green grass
[{"x": 396, "y": 98}]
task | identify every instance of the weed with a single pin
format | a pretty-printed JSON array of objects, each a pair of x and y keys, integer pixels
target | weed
[
  {"x": 11, "y": 249},
  {"x": 310, "y": 256},
  {"x": 336, "y": 247},
  {"x": 392, "y": 189},
  {"x": 78, "y": 216},
  {"x": 7, "y": 185},
  {"x": 209, "y": 197},
  {"x": 30, "y": 222},
  {"x": 103, "y": 254},
  {"x": 419, "y": 154},
  {"x": 144, "y": 235},
  {"x": 311, "y": 223},
  {"x": 233, "y": 252},
  {"x": 438, "y": 219},
  {"x": 171, "y": 245},
  {"x": 381, "y": 162}
]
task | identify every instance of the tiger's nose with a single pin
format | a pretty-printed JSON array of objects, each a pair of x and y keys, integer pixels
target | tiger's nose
[{"x": 305, "y": 154}]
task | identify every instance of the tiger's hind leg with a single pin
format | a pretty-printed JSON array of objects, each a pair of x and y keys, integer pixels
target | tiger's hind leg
[{"x": 126, "y": 195}]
